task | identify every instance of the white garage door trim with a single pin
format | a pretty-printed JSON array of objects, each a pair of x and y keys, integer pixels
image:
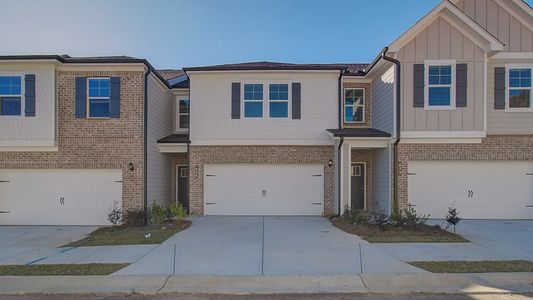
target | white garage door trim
[
  {"x": 263, "y": 189},
  {"x": 58, "y": 196},
  {"x": 478, "y": 189}
]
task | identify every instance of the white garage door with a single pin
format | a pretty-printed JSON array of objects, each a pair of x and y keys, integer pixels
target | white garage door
[
  {"x": 480, "y": 189},
  {"x": 58, "y": 196},
  {"x": 251, "y": 189}
]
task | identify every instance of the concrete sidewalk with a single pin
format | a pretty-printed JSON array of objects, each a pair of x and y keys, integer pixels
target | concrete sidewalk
[{"x": 362, "y": 283}]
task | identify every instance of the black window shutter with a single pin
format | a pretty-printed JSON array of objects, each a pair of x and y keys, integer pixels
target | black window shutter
[
  {"x": 418, "y": 85},
  {"x": 499, "y": 88},
  {"x": 114, "y": 99},
  {"x": 29, "y": 95},
  {"x": 460, "y": 84},
  {"x": 296, "y": 100},
  {"x": 81, "y": 97},
  {"x": 235, "y": 100}
]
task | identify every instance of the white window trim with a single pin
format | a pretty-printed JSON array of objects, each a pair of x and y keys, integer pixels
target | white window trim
[
  {"x": 354, "y": 106},
  {"x": 427, "y": 64},
  {"x": 266, "y": 100},
  {"x": 279, "y": 101},
  {"x": 88, "y": 104},
  {"x": 178, "y": 126},
  {"x": 22, "y": 95},
  {"x": 508, "y": 88}
]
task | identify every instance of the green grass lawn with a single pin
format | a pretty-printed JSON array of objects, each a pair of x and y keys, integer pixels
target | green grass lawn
[
  {"x": 402, "y": 234},
  {"x": 131, "y": 235},
  {"x": 60, "y": 269},
  {"x": 483, "y": 266}
]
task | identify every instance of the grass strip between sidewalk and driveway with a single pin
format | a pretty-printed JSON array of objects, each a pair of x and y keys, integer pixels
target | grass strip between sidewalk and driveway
[
  {"x": 403, "y": 234},
  {"x": 482, "y": 266},
  {"x": 131, "y": 235},
  {"x": 60, "y": 269}
]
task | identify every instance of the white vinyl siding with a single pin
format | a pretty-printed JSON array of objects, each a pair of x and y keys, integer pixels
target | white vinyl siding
[
  {"x": 160, "y": 124},
  {"x": 381, "y": 180}
]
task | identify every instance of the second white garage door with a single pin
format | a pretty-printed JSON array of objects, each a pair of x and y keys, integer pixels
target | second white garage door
[
  {"x": 478, "y": 189},
  {"x": 254, "y": 189},
  {"x": 58, "y": 196}
]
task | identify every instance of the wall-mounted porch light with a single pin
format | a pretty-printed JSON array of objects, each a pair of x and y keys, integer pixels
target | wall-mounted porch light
[
  {"x": 130, "y": 167},
  {"x": 330, "y": 163}
]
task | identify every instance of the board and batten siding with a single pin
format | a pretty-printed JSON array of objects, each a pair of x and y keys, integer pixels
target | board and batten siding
[
  {"x": 39, "y": 130},
  {"x": 440, "y": 40},
  {"x": 383, "y": 101},
  {"x": 160, "y": 124},
  {"x": 500, "y": 23},
  {"x": 381, "y": 180},
  {"x": 211, "y": 119},
  {"x": 500, "y": 120}
]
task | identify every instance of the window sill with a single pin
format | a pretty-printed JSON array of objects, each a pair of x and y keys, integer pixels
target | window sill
[
  {"x": 440, "y": 108},
  {"x": 508, "y": 109}
]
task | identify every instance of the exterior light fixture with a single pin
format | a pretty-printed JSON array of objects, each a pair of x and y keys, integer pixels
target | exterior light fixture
[
  {"x": 330, "y": 163},
  {"x": 130, "y": 166}
]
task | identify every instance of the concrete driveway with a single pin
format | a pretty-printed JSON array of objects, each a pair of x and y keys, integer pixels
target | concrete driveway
[
  {"x": 25, "y": 245},
  {"x": 265, "y": 246},
  {"x": 490, "y": 240}
]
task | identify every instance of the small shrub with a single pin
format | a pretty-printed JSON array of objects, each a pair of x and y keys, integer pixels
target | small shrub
[
  {"x": 412, "y": 218},
  {"x": 452, "y": 217},
  {"x": 355, "y": 216},
  {"x": 135, "y": 218},
  {"x": 157, "y": 214},
  {"x": 176, "y": 211},
  {"x": 115, "y": 214},
  {"x": 379, "y": 219}
]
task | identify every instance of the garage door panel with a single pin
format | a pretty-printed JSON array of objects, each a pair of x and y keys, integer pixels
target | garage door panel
[
  {"x": 257, "y": 189},
  {"x": 59, "y": 196},
  {"x": 478, "y": 189}
]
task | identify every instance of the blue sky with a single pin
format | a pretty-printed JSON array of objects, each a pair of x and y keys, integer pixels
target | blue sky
[{"x": 177, "y": 33}]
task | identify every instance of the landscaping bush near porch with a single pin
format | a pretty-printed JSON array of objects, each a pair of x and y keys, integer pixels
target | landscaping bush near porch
[{"x": 406, "y": 227}]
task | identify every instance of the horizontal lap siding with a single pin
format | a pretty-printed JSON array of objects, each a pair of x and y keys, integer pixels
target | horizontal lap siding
[
  {"x": 160, "y": 124},
  {"x": 383, "y": 101}
]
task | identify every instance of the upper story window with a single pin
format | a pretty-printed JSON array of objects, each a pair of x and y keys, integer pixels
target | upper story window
[
  {"x": 10, "y": 95},
  {"x": 99, "y": 95},
  {"x": 279, "y": 100},
  {"x": 519, "y": 93},
  {"x": 440, "y": 85},
  {"x": 183, "y": 111},
  {"x": 354, "y": 105},
  {"x": 253, "y": 100}
]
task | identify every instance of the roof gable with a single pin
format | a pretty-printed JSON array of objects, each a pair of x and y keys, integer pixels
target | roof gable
[{"x": 456, "y": 18}]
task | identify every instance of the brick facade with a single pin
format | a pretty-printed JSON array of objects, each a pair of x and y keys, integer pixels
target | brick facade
[
  {"x": 494, "y": 147},
  {"x": 96, "y": 143},
  {"x": 365, "y": 156},
  {"x": 368, "y": 105},
  {"x": 200, "y": 155}
]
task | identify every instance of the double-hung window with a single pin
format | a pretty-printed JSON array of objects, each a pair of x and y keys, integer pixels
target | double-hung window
[
  {"x": 183, "y": 110},
  {"x": 279, "y": 100},
  {"x": 99, "y": 95},
  {"x": 354, "y": 105},
  {"x": 519, "y": 93},
  {"x": 440, "y": 85},
  {"x": 10, "y": 95},
  {"x": 253, "y": 100}
]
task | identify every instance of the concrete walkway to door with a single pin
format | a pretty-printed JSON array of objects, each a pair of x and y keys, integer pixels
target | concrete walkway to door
[{"x": 217, "y": 245}]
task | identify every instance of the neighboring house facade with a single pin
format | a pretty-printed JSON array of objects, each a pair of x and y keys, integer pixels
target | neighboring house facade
[{"x": 442, "y": 117}]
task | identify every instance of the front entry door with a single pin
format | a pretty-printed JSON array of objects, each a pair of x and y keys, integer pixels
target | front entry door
[
  {"x": 358, "y": 186},
  {"x": 183, "y": 195}
]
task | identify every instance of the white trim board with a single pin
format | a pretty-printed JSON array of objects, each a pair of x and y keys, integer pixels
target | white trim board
[
  {"x": 443, "y": 134},
  {"x": 172, "y": 147},
  {"x": 262, "y": 142}
]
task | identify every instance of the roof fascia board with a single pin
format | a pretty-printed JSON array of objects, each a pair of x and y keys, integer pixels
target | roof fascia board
[
  {"x": 191, "y": 72},
  {"x": 495, "y": 44}
]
